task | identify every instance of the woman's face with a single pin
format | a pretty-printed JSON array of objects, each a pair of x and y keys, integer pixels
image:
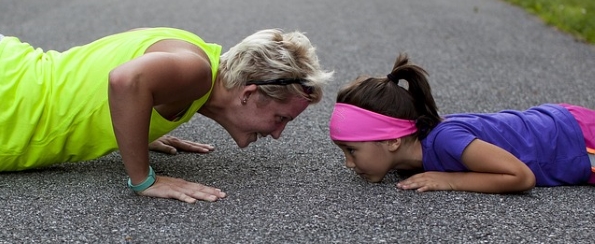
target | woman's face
[{"x": 261, "y": 117}]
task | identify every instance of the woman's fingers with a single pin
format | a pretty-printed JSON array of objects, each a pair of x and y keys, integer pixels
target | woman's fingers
[
  {"x": 171, "y": 145},
  {"x": 190, "y": 146},
  {"x": 159, "y": 146}
]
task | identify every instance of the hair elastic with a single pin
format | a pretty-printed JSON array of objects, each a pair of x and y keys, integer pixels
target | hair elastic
[
  {"x": 352, "y": 123},
  {"x": 392, "y": 78}
]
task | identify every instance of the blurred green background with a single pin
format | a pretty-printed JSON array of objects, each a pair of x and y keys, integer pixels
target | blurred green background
[{"x": 576, "y": 17}]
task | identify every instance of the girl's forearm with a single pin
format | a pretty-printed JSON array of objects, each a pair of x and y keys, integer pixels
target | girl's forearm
[{"x": 490, "y": 182}]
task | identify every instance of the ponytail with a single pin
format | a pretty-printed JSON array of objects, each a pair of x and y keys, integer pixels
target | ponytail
[
  {"x": 384, "y": 95},
  {"x": 419, "y": 88}
]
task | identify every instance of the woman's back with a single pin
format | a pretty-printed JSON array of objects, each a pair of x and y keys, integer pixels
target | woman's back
[{"x": 61, "y": 97}]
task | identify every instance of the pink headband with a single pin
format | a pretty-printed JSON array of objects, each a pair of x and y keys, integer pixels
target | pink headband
[{"x": 352, "y": 123}]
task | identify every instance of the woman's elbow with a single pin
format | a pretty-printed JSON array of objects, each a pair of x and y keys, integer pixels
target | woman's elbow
[
  {"x": 116, "y": 79},
  {"x": 120, "y": 81}
]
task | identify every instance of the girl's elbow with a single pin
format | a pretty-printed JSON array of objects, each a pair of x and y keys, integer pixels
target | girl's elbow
[{"x": 527, "y": 181}]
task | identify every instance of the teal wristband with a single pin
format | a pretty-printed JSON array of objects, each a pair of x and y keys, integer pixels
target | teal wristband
[{"x": 149, "y": 181}]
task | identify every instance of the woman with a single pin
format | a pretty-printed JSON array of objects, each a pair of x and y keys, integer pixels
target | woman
[{"x": 128, "y": 89}]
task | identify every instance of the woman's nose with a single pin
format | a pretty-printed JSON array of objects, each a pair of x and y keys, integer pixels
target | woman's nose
[{"x": 277, "y": 133}]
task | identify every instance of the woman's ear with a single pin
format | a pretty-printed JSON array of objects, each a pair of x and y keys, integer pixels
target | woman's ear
[
  {"x": 246, "y": 92},
  {"x": 394, "y": 144}
]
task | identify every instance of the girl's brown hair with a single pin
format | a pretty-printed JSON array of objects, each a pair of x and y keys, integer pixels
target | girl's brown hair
[{"x": 384, "y": 95}]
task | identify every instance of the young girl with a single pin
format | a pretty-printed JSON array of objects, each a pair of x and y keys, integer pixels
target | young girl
[
  {"x": 383, "y": 125},
  {"x": 126, "y": 91}
]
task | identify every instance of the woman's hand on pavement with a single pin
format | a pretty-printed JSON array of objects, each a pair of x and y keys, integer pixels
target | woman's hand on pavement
[{"x": 190, "y": 192}]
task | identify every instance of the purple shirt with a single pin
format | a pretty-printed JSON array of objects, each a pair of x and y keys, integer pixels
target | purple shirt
[{"x": 546, "y": 138}]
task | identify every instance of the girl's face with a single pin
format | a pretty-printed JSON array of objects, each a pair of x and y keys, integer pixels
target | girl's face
[{"x": 370, "y": 160}]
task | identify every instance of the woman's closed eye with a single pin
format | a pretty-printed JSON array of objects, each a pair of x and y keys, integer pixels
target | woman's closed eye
[{"x": 282, "y": 119}]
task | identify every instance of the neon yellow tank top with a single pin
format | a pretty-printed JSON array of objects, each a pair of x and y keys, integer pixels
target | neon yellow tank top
[{"x": 54, "y": 105}]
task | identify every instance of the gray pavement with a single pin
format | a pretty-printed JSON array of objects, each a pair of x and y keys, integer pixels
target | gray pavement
[{"x": 482, "y": 56}]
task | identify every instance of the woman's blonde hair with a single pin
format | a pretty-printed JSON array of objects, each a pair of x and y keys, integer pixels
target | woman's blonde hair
[{"x": 269, "y": 55}]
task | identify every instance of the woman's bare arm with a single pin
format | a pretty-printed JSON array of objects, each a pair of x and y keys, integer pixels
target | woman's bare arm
[{"x": 174, "y": 76}]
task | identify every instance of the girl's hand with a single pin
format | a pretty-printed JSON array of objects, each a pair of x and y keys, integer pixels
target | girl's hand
[
  {"x": 168, "y": 187},
  {"x": 169, "y": 144},
  {"x": 428, "y": 181}
]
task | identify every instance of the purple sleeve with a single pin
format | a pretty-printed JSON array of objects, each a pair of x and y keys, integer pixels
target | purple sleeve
[{"x": 448, "y": 144}]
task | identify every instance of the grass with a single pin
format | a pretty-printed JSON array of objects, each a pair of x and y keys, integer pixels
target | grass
[{"x": 576, "y": 17}]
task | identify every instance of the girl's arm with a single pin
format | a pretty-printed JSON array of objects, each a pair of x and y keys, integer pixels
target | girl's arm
[
  {"x": 493, "y": 170},
  {"x": 175, "y": 76}
]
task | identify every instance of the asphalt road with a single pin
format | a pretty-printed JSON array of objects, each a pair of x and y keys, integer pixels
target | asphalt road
[{"x": 482, "y": 56}]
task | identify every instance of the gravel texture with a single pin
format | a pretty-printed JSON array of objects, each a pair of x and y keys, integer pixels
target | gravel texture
[{"x": 482, "y": 56}]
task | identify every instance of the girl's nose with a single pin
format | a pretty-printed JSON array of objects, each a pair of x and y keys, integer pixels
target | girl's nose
[{"x": 349, "y": 164}]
